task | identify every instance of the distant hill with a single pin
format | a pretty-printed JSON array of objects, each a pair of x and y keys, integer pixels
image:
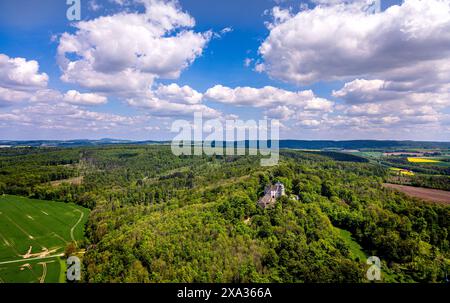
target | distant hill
[
  {"x": 293, "y": 144},
  {"x": 60, "y": 143},
  {"x": 361, "y": 144}
]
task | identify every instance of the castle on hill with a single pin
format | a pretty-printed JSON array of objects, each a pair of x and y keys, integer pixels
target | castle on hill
[{"x": 271, "y": 194}]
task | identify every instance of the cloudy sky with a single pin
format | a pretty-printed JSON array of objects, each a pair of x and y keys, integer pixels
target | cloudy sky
[{"x": 336, "y": 69}]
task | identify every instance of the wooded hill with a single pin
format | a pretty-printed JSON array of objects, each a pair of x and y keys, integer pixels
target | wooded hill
[{"x": 160, "y": 218}]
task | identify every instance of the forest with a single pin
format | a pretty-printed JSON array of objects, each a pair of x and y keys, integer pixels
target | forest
[{"x": 156, "y": 217}]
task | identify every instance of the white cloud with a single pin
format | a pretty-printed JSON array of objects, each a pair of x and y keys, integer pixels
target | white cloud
[
  {"x": 94, "y": 6},
  {"x": 173, "y": 101},
  {"x": 319, "y": 104},
  {"x": 162, "y": 108},
  {"x": 10, "y": 96},
  {"x": 46, "y": 96},
  {"x": 19, "y": 79},
  {"x": 66, "y": 116},
  {"x": 279, "y": 16},
  {"x": 280, "y": 112},
  {"x": 310, "y": 123},
  {"x": 123, "y": 55},
  {"x": 75, "y": 97},
  {"x": 278, "y": 103},
  {"x": 226, "y": 30},
  {"x": 379, "y": 91},
  {"x": 410, "y": 113},
  {"x": 222, "y": 32},
  {"x": 175, "y": 93},
  {"x": 8, "y": 118},
  {"x": 119, "y": 2},
  {"x": 394, "y": 64},
  {"x": 259, "y": 67},
  {"x": 267, "y": 96},
  {"x": 18, "y": 73},
  {"x": 361, "y": 90},
  {"x": 126, "y": 52},
  {"x": 248, "y": 62},
  {"x": 344, "y": 41},
  {"x": 334, "y": 2}
]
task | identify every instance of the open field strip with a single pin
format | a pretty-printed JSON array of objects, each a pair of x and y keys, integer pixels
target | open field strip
[{"x": 426, "y": 194}]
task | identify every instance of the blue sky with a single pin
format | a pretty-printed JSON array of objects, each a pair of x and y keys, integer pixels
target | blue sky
[{"x": 325, "y": 71}]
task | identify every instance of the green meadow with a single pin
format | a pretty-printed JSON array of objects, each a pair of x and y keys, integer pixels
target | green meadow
[
  {"x": 355, "y": 248},
  {"x": 33, "y": 236}
]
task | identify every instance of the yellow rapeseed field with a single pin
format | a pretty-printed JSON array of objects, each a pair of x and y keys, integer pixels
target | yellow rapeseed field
[
  {"x": 403, "y": 172},
  {"x": 422, "y": 160}
]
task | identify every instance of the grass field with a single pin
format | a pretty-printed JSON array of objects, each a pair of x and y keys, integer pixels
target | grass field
[
  {"x": 33, "y": 235},
  {"x": 355, "y": 248},
  {"x": 358, "y": 253}
]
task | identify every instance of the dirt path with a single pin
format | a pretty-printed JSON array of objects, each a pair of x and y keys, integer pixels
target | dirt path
[
  {"x": 31, "y": 259},
  {"x": 427, "y": 194},
  {"x": 44, "y": 272},
  {"x": 45, "y": 252},
  {"x": 76, "y": 224}
]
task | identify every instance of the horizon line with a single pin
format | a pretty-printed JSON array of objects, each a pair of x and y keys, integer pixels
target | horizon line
[{"x": 170, "y": 140}]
